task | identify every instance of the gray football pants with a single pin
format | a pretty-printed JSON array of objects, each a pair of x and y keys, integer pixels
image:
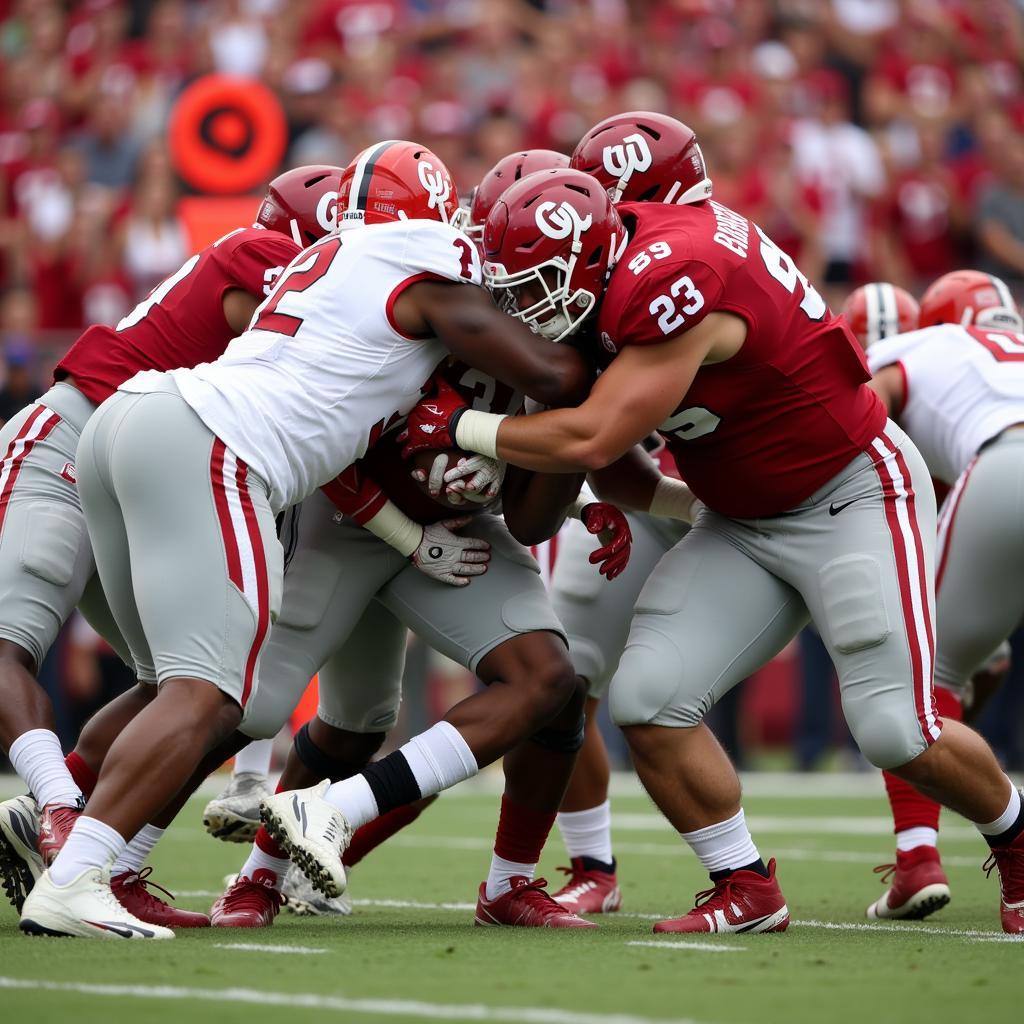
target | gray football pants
[
  {"x": 184, "y": 539},
  {"x": 46, "y": 563},
  {"x": 857, "y": 558},
  {"x": 980, "y": 576}
]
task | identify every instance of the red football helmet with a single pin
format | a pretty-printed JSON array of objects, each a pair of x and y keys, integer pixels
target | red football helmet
[
  {"x": 644, "y": 157},
  {"x": 880, "y": 310},
  {"x": 507, "y": 171},
  {"x": 302, "y": 203},
  {"x": 396, "y": 181},
  {"x": 556, "y": 234},
  {"x": 970, "y": 298}
]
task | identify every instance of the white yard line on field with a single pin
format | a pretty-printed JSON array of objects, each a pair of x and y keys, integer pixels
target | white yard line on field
[
  {"x": 256, "y": 947},
  {"x": 704, "y": 947},
  {"x": 342, "y": 1004}
]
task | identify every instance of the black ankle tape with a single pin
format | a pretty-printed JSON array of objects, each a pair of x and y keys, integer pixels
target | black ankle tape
[
  {"x": 319, "y": 762},
  {"x": 392, "y": 782}
]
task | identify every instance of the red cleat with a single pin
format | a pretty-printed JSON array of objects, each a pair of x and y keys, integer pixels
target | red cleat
[
  {"x": 743, "y": 902},
  {"x": 55, "y": 824},
  {"x": 525, "y": 905},
  {"x": 248, "y": 903},
  {"x": 588, "y": 891},
  {"x": 1009, "y": 860},
  {"x": 919, "y": 886},
  {"x": 132, "y": 891}
]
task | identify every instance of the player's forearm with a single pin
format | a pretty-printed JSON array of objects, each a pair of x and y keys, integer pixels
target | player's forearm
[
  {"x": 557, "y": 441},
  {"x": 629, "y": 482},
  {"x": 536, "y": 504}
]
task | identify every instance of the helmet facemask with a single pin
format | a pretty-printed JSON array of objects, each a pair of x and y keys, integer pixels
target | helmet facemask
[{"x": 559, "y": 312}]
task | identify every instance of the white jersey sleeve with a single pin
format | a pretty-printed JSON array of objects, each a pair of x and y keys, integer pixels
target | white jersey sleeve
[
  {"x": 324, "y": 367},
  {"x": 964, "y": 385}
]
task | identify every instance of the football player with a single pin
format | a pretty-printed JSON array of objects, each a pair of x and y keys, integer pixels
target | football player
[
  {"x": 815, "y": 506},
  {"x": 957, "y": 387},
  {"x": 347, "y": 606},
  {"x": 182, "y": 473},
  {"x": 46, "y": 560},
  {"x": 638, "y": 156}
]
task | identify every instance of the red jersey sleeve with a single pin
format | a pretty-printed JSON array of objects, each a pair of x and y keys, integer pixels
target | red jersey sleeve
[
  {"x": 255, "y": 263},
  {"x": 669, "y": 298}
]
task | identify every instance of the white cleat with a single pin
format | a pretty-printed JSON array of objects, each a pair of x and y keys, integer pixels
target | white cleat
[
  {"x": 85, "y": 907},
  {"x": 20, "y": 860},
  {"x": 305, "y": 901},
  {"x": 313, "y": 832},
  {"x": 234, "y": 815}
]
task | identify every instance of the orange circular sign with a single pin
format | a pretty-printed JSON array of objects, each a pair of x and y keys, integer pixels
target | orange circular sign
[{"x": 227, "y": 135}]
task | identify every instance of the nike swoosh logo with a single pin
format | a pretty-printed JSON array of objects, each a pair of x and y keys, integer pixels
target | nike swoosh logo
[
  {"x": 834, "y": 510},
  {"x": 124, "y": 930}
]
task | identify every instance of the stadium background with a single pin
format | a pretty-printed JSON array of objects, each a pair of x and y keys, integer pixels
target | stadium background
[{"x": 872, "y": 139}]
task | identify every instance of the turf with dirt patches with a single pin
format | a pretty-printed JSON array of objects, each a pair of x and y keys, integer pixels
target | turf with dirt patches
[{"x": 410, "y": 951}]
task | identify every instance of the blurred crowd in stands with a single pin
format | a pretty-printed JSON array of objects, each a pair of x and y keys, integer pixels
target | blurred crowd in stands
[{"x": 872, "y": 139}]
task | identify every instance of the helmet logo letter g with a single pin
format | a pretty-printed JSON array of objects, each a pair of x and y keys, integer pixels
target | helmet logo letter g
[
  {"x": 561, "y": 220},
  {"x": 632, "y": 154},
  {"x": 327, "y": 211},
  {"x": 437, "y": 185}
]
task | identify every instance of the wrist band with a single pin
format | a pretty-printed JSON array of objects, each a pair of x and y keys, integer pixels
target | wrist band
[
  {"x": 583, "y": 499},
  {"x": 674, "y": 500},
  {"x": 478, "y": 432},
  {"x": 394, "y": 527}
]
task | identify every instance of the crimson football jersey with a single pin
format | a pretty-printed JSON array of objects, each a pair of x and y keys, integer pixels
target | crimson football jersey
[
  {"x": 758, "y": 434},
  {"x": 181, "y": 322}
]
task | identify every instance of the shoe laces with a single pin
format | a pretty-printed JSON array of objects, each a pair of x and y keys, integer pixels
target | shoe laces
[
  {"x": 577, "y": 883},
  {"x": 886, "y": 871},
  {"x": 1010, "y": 862},
  {"x": 246, "y": 894},
  {"x": 138, "y": 883},
  {"x": 535, "y": 894}
]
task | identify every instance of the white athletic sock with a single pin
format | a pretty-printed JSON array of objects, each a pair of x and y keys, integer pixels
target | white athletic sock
[
  {"x": 254, "y": 759},
  {"x": 354, "y": 798},
  {"x": 137, "y": 850},
  {"x": 91, "y": 844},
  {"x": 38, "y": 759},
  {"x": 260, "y": 861},
  {"x": 439, "y": 758},
  {"x": 588, "y": 833},
  {"x": 921, "y": 835},
  {"x": 1006, "y": 819},
  {"x": 724, "y": 846},
  {"x": 501, "y": 871}
]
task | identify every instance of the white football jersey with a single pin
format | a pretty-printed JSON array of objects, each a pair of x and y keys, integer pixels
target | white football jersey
[
  {"x": 323, "y": 368},
  {"x": 964, "y": 385}
]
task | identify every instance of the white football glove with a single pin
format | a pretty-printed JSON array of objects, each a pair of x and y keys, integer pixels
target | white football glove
[
  {"x": 477, "y": 479},
  {"x": 448, "y": 557}
]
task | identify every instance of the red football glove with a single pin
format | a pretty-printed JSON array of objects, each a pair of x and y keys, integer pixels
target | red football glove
[
  {"x": 431, "y": 424},
  {"x": 610, "y": 522}
]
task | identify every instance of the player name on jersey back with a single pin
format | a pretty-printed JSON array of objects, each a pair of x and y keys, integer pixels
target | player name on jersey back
[
  {"x": 758, "y": 434},
  {"x": 963, "y": 386},
  {"x": 324, "y": 366}
]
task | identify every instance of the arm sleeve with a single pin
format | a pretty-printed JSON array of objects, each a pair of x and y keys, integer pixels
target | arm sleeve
[
  {"x": 668, "y": 301},
  {"x": 441, "y": 252},
  {"x": 256, "y": 263}
]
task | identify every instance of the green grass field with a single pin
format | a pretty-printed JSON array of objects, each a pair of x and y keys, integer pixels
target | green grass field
[{"x": 410, "y": 951}]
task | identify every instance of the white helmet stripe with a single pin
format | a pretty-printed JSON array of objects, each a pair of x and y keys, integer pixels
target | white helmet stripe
[
  {"x": 1005, "y": 298},
  {"x": 872, "y": 303}
]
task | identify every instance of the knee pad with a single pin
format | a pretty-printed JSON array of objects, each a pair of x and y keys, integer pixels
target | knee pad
[
  {"x": 887, "y": 742},
  {"x": 322, "y": 764},
  {"x": 561, "y": 741}
]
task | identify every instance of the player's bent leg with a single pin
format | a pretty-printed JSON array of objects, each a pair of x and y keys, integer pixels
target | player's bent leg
[
  {"x": 707, "y": 618},
  {"x": 873, "y": 604}
]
